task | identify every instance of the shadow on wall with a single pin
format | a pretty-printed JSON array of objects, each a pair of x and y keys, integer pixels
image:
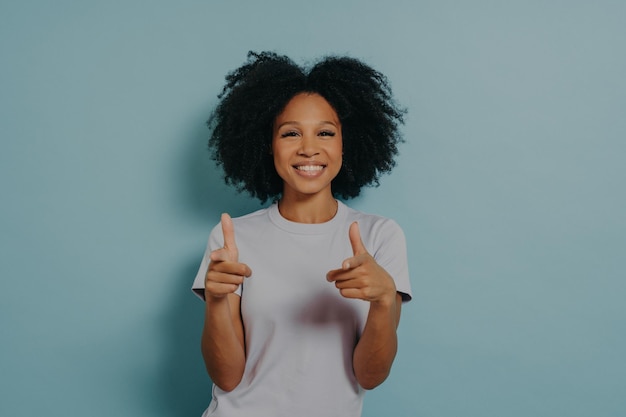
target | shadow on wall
[{"x": 184, "y": 389}]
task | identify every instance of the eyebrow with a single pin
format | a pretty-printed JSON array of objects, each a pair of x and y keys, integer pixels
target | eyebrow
[{"x": 322, "y": 123}]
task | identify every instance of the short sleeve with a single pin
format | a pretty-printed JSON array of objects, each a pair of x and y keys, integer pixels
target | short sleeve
[
  {"x": 391, "y": 254},
  {"x": 216, "y": 241}
]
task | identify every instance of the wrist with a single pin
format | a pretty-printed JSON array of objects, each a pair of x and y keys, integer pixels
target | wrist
[
  {"x": 387, "y": 301},
  {"x": 211, "y": 298}
]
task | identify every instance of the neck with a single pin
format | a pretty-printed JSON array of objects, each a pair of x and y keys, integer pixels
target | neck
[{"x": 318, "y": 208}]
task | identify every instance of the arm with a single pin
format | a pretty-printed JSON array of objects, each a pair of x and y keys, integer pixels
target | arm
[
  {"x": 361, "y": 277},
  {"x": 376, "y": 349},
  {"x": 222, "y": 343},
  {"x": 223, "y": 346}
]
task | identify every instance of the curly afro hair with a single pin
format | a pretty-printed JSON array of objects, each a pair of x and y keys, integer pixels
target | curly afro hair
[{"x": 257, "y": 92}]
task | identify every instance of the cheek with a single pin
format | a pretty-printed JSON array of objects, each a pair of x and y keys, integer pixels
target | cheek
[{"x": 276, "y": 161}]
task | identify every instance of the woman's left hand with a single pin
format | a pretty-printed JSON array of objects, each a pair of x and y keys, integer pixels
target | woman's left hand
[{"x": 360, "y": 276}]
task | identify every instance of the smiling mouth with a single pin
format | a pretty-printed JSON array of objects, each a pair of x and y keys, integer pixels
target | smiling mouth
[{"x": 310, "y": 168}]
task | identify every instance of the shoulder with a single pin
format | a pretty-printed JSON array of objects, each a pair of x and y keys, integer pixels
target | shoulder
[
  {"x": 378, "y": 230},
  {"x": 254, "y": 218},
  {"x": 242, "y": 224},
  {"x": 373, "y": 223}
]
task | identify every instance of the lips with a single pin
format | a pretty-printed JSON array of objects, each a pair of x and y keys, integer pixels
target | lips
[{"x": 309, "y": 169}]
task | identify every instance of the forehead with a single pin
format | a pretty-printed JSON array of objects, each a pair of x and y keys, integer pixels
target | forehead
[{"x": 307, "y": 107}]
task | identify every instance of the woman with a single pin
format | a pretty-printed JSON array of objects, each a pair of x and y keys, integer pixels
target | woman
[{"x": 303, "y": 298}]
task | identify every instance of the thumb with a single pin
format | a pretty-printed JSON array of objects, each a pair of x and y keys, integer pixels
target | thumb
[
  {"x": 355, "y": 239},
  {"x": 228, "y": 229}
]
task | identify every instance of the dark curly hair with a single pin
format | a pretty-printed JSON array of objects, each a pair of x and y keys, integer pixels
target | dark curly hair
[{"x": 257, "y": 92}]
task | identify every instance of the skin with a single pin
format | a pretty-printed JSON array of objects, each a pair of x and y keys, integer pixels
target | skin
[
  {"x": 307, "y": 150},
  {"x": 307, "y": 147}
]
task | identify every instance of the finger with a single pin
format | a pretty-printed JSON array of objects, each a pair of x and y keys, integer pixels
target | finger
[
  {"x": 341, "y": 274},
  {"x": 334, "y": 275},
  {"x": 355, "y": 239},
  {"x": 228, "y": 229},
  {"x": 217, "y": 277},
  {"x": 219, "y": 255},
  {"x": 218, "y": 289},
  {"x": 351, "y": 293},
  {"x": 349, "y": 283},
  {"x": 233, "y": 268},
  {"x": 353, "y": 262}
]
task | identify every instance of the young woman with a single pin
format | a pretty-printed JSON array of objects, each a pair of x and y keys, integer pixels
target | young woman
[{"x": 302, "y": 298}]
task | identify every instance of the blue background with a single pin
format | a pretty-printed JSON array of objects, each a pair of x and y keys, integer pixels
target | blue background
[{"x": 510, "y": 189}]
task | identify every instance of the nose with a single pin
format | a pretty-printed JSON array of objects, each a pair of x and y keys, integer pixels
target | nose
[{"x": 308, "y": 146}]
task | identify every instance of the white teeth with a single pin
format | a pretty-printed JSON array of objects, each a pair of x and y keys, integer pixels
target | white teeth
[{"x": 310, "y": 167}]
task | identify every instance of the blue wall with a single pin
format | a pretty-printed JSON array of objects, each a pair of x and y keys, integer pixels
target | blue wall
[{"x": 510, "y": 189}]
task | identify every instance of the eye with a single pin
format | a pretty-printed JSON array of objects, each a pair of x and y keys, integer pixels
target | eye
[
  {"x": 328, "y": 133},
  {"x": 289, "y": 133}
]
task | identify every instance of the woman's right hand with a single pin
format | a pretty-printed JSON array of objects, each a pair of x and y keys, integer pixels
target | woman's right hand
[
  {"x": 225, "y": 273},
  {"x": 223, "y": 347}
]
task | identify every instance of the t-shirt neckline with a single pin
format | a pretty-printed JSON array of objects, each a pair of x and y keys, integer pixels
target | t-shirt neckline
[{"x": 308, "y": 228}]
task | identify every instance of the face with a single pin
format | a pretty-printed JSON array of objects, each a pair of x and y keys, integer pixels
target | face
[{"x": 307, "y": 145}]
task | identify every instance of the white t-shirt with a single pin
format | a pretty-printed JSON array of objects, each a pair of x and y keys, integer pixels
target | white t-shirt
[{"x": 300, "y": 332}]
